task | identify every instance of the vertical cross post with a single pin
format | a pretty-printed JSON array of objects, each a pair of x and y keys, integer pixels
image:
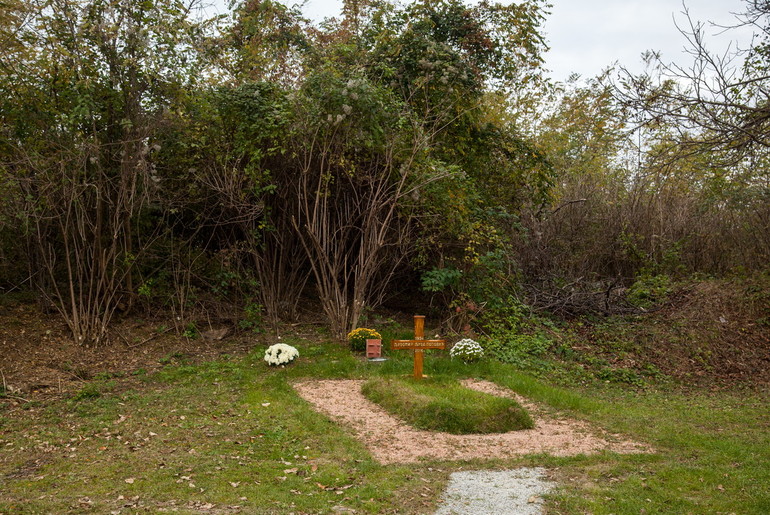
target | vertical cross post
[
  {"x": 419, "y": 334},
  {"x": 418, "y": 345}
]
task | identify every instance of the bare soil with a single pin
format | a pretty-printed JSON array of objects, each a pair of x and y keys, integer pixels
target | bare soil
[
  {"x": 391, "y": 440},
  {"x": 39, "y": 360}
]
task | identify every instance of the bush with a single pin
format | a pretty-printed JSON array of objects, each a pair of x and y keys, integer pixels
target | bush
[
  {"x": 517, "y": 349},
  {"x": 649, "y": 290},
  {"x": 252, "y": 317},
  {"x": 358, "y": 337}
]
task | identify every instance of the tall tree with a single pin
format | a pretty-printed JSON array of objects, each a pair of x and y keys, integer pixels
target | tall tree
[{"x": 83, "y": 90}]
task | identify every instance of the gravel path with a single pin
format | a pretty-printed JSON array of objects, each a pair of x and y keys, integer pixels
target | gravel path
[{"x": 495, "y": 492}]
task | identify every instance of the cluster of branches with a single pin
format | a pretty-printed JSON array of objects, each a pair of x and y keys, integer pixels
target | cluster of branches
[
  {"x": 719, "y": 101},
  {"x": 149, "y": 156},
  {"x": 659, "y": 175},
  {"x": 138, "y": 143}
]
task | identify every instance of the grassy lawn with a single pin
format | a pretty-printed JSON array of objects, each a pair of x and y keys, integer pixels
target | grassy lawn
[{"x": 232, "y": 436}]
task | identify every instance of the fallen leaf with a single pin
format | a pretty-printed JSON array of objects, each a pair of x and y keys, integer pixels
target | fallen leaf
[
  {"x": 130, "y": 481},
  {"x": 265, "y": 404},
  {"x": 290, "y": 471},
  {"x": 235, "y": 484}
]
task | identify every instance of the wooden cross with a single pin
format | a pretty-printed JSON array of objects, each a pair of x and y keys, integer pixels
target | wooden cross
[{"x": 419, "y": 344}]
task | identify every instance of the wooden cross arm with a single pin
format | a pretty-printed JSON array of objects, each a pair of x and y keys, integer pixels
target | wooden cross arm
[{"x": 417, "y": 344}]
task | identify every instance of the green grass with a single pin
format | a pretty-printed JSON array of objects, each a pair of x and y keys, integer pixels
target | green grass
[
  {"x": 442, "y": 404},
  {"x": 234, "y": 433}
]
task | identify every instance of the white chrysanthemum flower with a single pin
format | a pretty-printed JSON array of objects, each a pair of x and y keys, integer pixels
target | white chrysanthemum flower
[
  {"x": 280, "y": 354},
  {"x": 467, "y": 350}
]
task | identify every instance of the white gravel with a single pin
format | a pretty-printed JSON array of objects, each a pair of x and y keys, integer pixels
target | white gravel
[{"x": 490, "y": 492}]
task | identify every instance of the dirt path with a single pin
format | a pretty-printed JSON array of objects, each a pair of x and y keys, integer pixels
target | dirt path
[{"x": 390, "y": 440}]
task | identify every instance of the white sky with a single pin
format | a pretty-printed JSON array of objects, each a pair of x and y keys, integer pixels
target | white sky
[{"x": 587, "y": 36}]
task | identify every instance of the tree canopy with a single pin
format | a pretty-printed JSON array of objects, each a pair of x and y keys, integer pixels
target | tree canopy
[{"x": 152, "y": 157}]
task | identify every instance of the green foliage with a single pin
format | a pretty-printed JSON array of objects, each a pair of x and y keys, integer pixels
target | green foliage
[
  {"x": 267, "y": 39},
  {"x": 90, "y": 391},
  {"x": 93, "y": 390},
  {"x": 191, "y": 331},
  {"x": 621, "y": 375},
  {"x": 523, "y": 350},
  {"x": 440, "y": 279},
  {"x": 649, "y": 290},
  {"x": 145, "y": 289},
  {"x": 445, "y": 405},
  {"x": 357, "y": 338},
  {"x": 252, "y": 318}
]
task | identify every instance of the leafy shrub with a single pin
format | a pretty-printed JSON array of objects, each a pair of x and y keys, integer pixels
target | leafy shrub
[
  {"x": 191, "y": 331},
  {"x": 504, "y": 315},
  {"x": 358, "y": 337},
  {"x": 439, "y": 279},
  {"x": 252, "y": 317},
  {"x": 648, "y": 290},
  {"x": 517, "y": 349},
  {"x": 620, "y": 375}
]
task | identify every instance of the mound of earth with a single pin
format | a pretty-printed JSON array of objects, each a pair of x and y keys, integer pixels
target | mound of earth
[{"x": 715, "y": 331}]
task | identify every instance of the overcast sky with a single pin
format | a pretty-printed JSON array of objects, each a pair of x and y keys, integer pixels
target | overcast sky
[{"x": 587, "y": 36}]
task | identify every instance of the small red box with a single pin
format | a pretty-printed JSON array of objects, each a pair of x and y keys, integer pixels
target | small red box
[{"x": 373, "y": 348}]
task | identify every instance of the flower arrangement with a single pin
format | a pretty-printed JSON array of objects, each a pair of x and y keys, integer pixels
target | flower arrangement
[
  {"x": 467, "y": 350},
  {"x": 358, "y": 337},
  {"x": 280, "y": 354}
]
